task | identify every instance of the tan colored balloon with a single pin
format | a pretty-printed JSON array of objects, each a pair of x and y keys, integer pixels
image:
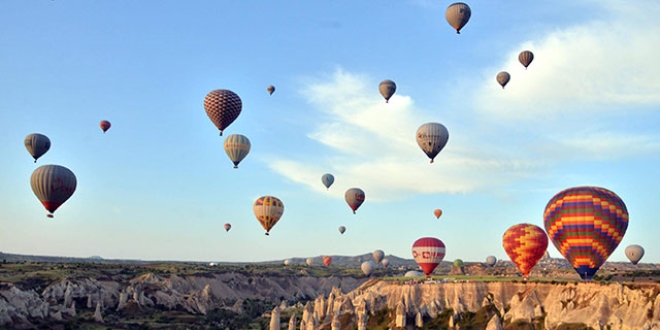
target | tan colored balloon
[
  {"x": 271, "y": 89},
  {"x": 368, "y": 267},
  {"x": 37, "y": 145},
  {"x": 503, "y": 78},
  {"x": 268, "y": 210},
  {"x": 385, "y": 263},
  {"x": 342, "y": 229},
  {"x": 378, "y": 256},
  {"x": 387, "y": 88},
  {"x": 53, "y": 185},
  {"x": 526, "y": 57},
  {"x": 223, "y": 107},
  {"x": 634, "y": 253},
  {"x": 457, "y": 15},
  {"x": 432, "y": 138},
  {"x": 237, "y": 146},
  {"x": 309, "y": 261}
]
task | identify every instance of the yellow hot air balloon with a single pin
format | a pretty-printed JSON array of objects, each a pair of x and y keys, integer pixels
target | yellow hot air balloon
[
  {"x": 237, "y": 146},
  {"x": 268, "y": 210}
]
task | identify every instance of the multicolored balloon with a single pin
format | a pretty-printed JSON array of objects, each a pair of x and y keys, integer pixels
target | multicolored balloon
[
  {"x": 53, "y": 185},
  {"x": 105, "y": 125},
  {"x": 387, "y": 88},
  {"x": 237, "y": 146},
  {"x": 37, "y": 145},
  {"x": 432, "y": 138},
  {"x": 634, "y": 253},
  {"x": 270, "y": 89},
  {"x": 503, "y": 78},
  {"x": 526, "y": 57},
  {"x": 457, "y": 15},
  {"x": 227, "y": 226},
  {"x": 586, "y": 224},
  {"x": 525, "y": 244},
  {"x": 327, "y": 260},
  {"x": 354, "y": 197},
  {"x": 378, "y": 256},
  {"x": 268, "y": 210},
  {"x": 491, "y": 261},
  {"x": 327, "y": 179},
  {"x": 437, "y": 213},
  {"x": 223, "y": 107},
  {"x": 428, "y": 252}
]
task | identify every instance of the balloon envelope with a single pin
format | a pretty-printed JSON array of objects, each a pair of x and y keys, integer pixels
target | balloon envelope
[
  {"x": 586, "y": 224},
  {"x": 223, "y": 107},
  {"x": 428, "y": 253},
  {"x": 342, "y": 229},
  {"x": 287, "y": 262},
  {"x": 458, "y": 263},
  {"x": 327, "y": 179},
  {"x": 105, "y": 125},
  {"x": 368, "y": 267},
  {"x": 268, "y": 210},
  {"x": 503, "y": 78},
  {"x": 354, "y": 197},
  {"x": 526, "y": 57},
  {"x": 432, "y": 138},
  {"x": 385, "y": 263},
  {"x": 457, "y": 15},
  {"x": 37, "y": 145},
  {"x": 237, "y": 146},
  {"x": 327, "y": 260},
  {"x": 413, "y": 273},
  {"x": 309, "y": 261},
  {"x": 53, "y": 185},
  {"x": 634, "y": 253},
  {"x": 437, "y": 213},
  {"x": 227, "y": 226},
  {"x": 387, "y": 88},
  {"x": 378, "y": 256},
  {"x": 525, "y": 244},
  {"x": 491, "y": 261},
  {"x": 271, "y": 89}
]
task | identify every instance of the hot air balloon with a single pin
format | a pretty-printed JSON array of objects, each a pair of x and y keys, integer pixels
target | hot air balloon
[
  {"x": 328, "y": 179},
  {"x": 354, "y": 197},
  {"x": 237, "y": 146},
  {"x": 385, "y": 263},
  {"x": 271, "y": 89},
  {"x": 268, "y": 210},
  {"x": 387, "y": 88},
  {"x": 491, "y": 261},
  {"x": 309, "y": 261},
  {"x": 634, "y": 253},
  {"x": 525, "y": 244},
  {"x": 428, "y": 253},
  {"x": 526, "y": 57},
  {"x": 586, "y": 224},
  {"x": 437, "y": 213},
  {"x": 223, "y": 107},
  {"x": 342, "y": 229},
  {"x": 413, "y": 273},
  {"x": 432, "y": 137},
  {"x": 287, "y": 262},
  {"x": 368, "y": 267},
  {"x": 53, "y": 185},
  {"x": 503, "y": 78},
  {"x": 37, "y": 145},
  {"x": 227, "y": 226},
  {"x": 458, "y": 263},
  {"x": 105, "y": 125},
  {"x": 327, "y": 260},
  {"x": 378, "y": 256},
  {"x": 457, "y": 15}
]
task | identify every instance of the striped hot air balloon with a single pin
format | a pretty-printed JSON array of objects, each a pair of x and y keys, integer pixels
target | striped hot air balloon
[
  {"x": 53, "y": 185},
  {"x": 327, "y": 260},
  {"x": 586, "y": 224},
  {"x": 354, "y": 197},
  {"x": 223, "y": 107},
  {"x": 237, "y": 146},
  {"x": 268, "y": 210},
  {"x": 37, "y": 145},
  {"x": 525, "y": 244},
  {"x": 526, "y": 57},
  {"x": 428, "y": 252}
]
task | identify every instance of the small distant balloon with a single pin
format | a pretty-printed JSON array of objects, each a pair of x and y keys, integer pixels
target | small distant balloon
[
  {"x": 368, "y": 267},
  {"x": 354, "y": 197},
  {"x": 309, "y": 261},
  {"x": 387, "y": 88},
  {"x": 237, "y": 147},
  {"x": 37, "y": 145},
  {"x": 287, "y": 262},
  {"x": 458, "y": 263},
  {"x": 105, "y": 125},
  {"x": 342, "y": 229},
  {"x": 327, "y": 260},
  {"x": 634, "y": 253},
  {"x": 227, "y": 226},
  {"x": 378, "y": 256},
  {"x": 457, "y": 15},
  {"x": 437, "y": 213},
  {"x": 327, "y": 179},
  {"x": 491, "y": 261},
  {"x": 526, "y": 57},
  {"x": 271, "y": 89},
  {"x": 432, "y": 138},
  {"x": 503, "y": 78},
  {"x": 385, "y": 263}
]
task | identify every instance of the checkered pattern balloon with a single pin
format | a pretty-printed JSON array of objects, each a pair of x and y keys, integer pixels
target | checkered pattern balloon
[
  {"x": 223, "y": 107},
  {"x": 586, "y": 224},
  {"x": 525, "y": 244}
]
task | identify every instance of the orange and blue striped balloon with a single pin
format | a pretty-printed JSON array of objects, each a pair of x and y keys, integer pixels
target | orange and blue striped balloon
[
  {"x": 525, "y": 244},
  {"x": 586, "y": 224}
]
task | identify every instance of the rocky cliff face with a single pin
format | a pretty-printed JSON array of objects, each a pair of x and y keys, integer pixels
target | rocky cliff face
[{"x": 195, "y": 294}]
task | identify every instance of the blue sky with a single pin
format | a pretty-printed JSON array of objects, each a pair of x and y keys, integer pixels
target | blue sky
[{"x": 159, "y": 186}]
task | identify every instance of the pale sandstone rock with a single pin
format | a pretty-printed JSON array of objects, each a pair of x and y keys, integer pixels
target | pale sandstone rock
[{"x": 275, "y": 318}]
